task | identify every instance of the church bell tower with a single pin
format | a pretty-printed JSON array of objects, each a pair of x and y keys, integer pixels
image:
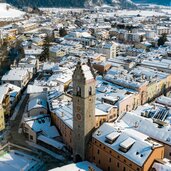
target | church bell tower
[{"x": 84, "y": 94}]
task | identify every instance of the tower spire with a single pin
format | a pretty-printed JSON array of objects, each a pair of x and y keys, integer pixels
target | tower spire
[{"x": 89, "y": 63}]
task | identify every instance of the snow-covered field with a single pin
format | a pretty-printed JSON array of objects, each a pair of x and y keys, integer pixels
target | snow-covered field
[
  {"x": 167, "y": 11},
  {"x": 144, "y": 13},
  {"x": 62, "y": 9},
  {"x": 8, "y": 12}
]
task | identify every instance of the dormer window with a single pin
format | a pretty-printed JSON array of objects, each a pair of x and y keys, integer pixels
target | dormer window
[
  {"x": 79, "y": 91},
  {"x": 126, "y": 145}
]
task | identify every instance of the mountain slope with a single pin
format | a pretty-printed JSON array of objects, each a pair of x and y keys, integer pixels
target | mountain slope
[
  {"x": 47, "y": 3},
  {"x": 116, "y": 3},
  {"x": 8, "y": 12},
  {"x": 70, "y": 3}
]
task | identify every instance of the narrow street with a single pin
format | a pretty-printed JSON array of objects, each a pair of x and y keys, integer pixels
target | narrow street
[
  {"x": 15, "y": 136},
  {"x": 19, "y": 139}
]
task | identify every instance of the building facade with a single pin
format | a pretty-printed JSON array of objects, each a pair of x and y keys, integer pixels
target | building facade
[{"x": 83, "y": 109}]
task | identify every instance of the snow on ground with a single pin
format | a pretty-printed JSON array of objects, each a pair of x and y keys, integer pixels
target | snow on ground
[
  {"x": 167, "y": 11},
  {"x": 144, "y": 13},
  {"x": 9, "y": 12},
  {"x": 55, "y": 155},
  {"x": 62, "y": 9},
  {"x": 81, "y": 166}
]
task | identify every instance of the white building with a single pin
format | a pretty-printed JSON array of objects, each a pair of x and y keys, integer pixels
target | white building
[
  {"x": 81, "y": 166},
  {"x": 19, "y": 77},
  {"x": 109, "y": 49}
]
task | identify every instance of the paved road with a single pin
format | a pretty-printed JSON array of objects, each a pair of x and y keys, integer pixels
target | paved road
[{"x": 15, "y": 137}]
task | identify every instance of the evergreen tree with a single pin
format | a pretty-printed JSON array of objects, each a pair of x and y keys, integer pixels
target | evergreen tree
[
  {"x": 62, "y": 32},
  {"x": 45, "y": 53},
  {"x": 162, "y": 39}
]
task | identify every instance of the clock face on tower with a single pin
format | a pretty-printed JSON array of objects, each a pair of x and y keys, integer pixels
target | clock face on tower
[{"x": 78, "y": 116}]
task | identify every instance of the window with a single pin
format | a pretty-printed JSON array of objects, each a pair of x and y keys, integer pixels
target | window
[
  {"x": 31, "y": 137},
  {"x": 90, "y": 91},
  {"x": 99, "y": 161},
  {"x": 124, "y": 169},
  {"x": 108, "y": 168},
  {"x": 118, "y": 165},
  {"x": 110, "y": 160},
  {"x": 25, "y": 129},
  {"x": 98, "y": 151},
  {"x": 78, "y": 91}
]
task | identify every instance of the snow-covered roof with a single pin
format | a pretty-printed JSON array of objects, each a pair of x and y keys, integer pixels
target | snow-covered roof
[
  {"x": 36, "y": 89},
  {"x": 37, "y": 103},
  {"x": 50, "y": 132},
  {"x": 51, "y": 142},
  {"x": 65, "y": 113},
  {"x": 87, "y": 72},
  {"x": 48, "y": 65},
  {"x": 16, "y": 160},
  {"x": 136, "y": 144},
  {"x": 15, "y": 74},
  {"x": 42, "y": 123},
  {"x": 148, "y": 124},
  {"x": 39, "y": 122},
  {"x": 61, "y": 77},
  {"x": 85, "y": 34},
  {"x": 81, "y": 166},
  {"x": 3, "y": 92},
  {"x": 111, "y": 92},
  {"x": 165, "y": 165},
  {"x": 164, "y": 100},
  {"x": 33, "y": 51},
  {"x": 64, "y": 110},
  {"x": 103, "y": 106},
  {"x": 13, "y": 90},
  {"x": 135, "y": 78}
]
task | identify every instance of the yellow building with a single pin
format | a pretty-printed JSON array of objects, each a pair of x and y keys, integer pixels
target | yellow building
[
  {"x": 113, "y": 146},
  {"x": 62, "y": 118},
  {"x": 2, "y": 120},
  {"x": 55, "y": 52},
  {"x": 5, "y": 100}
]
